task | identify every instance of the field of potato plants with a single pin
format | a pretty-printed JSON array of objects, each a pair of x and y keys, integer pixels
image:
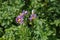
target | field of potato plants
[{"x": 29, "y": 19}]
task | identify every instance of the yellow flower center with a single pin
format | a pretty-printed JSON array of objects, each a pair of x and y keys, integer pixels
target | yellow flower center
[
  {"x": 33, "y": 17},
  {"x": 19, "y": 20}
]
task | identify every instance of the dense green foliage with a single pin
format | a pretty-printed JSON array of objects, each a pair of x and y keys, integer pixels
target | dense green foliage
[{"x": 44, "y": 27}]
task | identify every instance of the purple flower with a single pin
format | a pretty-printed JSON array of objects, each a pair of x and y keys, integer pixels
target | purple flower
[
  {"x": 26, "y": 12},
  {"x": 23, "y": 13},
  {"x": 19, "y": 19},
  {"x": 33, "y": 16}
]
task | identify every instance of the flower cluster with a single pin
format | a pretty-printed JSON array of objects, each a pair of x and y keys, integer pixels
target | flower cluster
[
  {"x": 20, "y": 17},
  {"x": 33, "y": 16}
]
